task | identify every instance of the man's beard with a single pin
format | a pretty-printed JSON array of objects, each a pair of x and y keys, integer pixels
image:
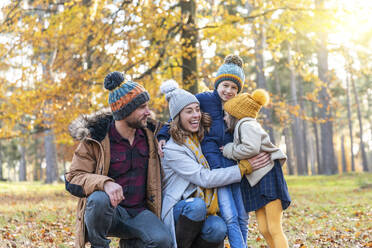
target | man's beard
[{"x": 136, "y": 124}]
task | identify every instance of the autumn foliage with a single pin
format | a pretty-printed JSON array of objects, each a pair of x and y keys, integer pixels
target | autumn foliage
[{"x": 55, "y": 55}]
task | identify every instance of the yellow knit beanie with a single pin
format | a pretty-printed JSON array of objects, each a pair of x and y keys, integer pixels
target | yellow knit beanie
[{"x": 246, "y": 105}]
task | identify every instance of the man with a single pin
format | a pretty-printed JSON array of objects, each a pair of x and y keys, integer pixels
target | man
[{"x": 116, "y": 171}]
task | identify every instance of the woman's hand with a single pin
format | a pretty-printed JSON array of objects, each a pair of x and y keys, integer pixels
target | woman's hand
[
  {"x": 161, "y": 143},
  {"x": 261, "y": 160}
]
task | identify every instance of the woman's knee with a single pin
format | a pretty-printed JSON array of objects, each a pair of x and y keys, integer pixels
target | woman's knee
[
  {"x": 195, "y": 209},
  {"x": 214, "y": 229}
]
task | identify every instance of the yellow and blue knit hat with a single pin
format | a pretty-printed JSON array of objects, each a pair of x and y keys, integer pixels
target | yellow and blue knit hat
[
  {"x": 231, "y": 70},
  {"x": 124, "y": 96}
]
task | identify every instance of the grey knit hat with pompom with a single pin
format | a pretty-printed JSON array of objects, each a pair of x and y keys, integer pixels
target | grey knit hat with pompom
[{"x": 176, "y": 97}]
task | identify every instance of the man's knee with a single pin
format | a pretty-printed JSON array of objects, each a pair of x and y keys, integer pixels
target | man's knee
[
  {"x": 98, "y": 207},
  {"x": 162, "y": 239},
  {"x": 99, "y": 200}
]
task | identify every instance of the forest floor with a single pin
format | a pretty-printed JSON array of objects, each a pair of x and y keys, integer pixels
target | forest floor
[{"x": 326, "y": 211}]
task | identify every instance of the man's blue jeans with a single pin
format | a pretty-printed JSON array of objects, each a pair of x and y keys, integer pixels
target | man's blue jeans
[
  {"x": 233, "y": 212},
  {"x": 214, "y": 228},
  {"x": 103, "y": 220}
]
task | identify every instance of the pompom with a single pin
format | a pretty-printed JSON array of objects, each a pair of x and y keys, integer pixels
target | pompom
[
  {"x": 168, "y": 86},
  {"x": 261, "y": 96},
  {"x": 113, "y": 80},
  {"x": 234, "y": 59}
]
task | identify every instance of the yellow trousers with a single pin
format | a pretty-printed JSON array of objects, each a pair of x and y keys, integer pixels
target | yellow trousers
[{"x": 269, "y": 219}]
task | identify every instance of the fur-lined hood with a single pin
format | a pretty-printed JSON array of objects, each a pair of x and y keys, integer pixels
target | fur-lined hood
[{"x": 96, "y": 125}]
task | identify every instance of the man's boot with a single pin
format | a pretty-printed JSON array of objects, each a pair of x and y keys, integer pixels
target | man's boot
[
  {"x": 186, "y": 231},
  {"x": 201, "y": 243}
]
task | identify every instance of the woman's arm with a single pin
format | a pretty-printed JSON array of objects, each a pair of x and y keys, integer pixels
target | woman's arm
[{"x": 183, "y": 163}]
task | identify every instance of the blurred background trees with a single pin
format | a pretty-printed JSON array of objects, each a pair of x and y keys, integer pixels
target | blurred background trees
[{"x": 313, "y": 56}]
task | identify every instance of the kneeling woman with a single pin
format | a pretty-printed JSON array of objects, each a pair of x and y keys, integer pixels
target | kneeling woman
[{"x": 189, "y": 198}]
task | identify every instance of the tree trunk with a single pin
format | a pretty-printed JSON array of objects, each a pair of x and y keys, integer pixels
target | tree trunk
[
  {"x": 50, "y": 156},
  {"x": 288, "y": 150},
  {"x": 326, "y": 127},
  {"x": 312, "y": 155},
  {"x": 296, "y": 125},
  {"x": 260, "y": 76},
  {"x": 369, "y": 110},
  {"x": 37, "y": 161},
  {"x": 9, "y": 178},
  {"x": 362, "y": 148},
  {"x": 304, "y": 129},
  {"x": 285, "y": 129},
  {"x": 350, "y": 122},
  {"x": 22, "y": 162},
  {"x": 317, "y": 145},
  {"x": 343, "y": 155},
  {"x": 47, "y": 61},
  {"x": 1, "y": 162},
  {"x": 189, "y": 41}
]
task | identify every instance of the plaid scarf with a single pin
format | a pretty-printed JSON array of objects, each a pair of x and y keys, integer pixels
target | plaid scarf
[{"x": 208, "y": 195}]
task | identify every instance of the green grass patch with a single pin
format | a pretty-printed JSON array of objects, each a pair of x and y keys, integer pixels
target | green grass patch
[{"x": 326, "y": 211}]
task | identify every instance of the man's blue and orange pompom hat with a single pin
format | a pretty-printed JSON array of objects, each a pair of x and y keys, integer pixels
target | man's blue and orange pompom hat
[{"x": 124, "y": 96}]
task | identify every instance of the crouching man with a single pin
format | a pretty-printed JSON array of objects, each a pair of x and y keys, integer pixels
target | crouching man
[{"x": 116, "y": 172}]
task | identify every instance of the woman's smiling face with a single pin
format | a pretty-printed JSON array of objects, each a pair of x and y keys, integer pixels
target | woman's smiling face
[{"x": 190, "y": 117}]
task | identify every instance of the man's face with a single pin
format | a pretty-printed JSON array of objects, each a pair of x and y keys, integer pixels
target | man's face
[{"x": 138, "y": 118}]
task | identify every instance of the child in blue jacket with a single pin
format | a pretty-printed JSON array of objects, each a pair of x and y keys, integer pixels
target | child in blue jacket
[{"x": 228, "y": 83}]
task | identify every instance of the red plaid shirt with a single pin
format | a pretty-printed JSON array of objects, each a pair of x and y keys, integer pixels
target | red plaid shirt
[{"x": 128, "y": 167}]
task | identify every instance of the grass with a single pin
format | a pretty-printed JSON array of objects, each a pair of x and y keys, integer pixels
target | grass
[{"x": 326, "y": 211}]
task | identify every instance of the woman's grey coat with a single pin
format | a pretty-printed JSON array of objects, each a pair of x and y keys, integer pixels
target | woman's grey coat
[{"x": 182, "y": 175}]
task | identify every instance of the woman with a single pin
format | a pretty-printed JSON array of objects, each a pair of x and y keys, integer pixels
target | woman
[
  {"x": 188, "y": 194},
  {"x": 229, "y": 82}
]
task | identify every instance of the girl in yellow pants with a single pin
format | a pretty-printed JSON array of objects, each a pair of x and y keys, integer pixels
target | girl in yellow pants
[
  {"x": 265, "y": 190},
  {"x": 269, "y": 219}
]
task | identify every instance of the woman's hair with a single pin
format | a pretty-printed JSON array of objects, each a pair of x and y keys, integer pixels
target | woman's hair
[
  {"x": 179, "y": 134},
  {"x": 231, "y": 124}
]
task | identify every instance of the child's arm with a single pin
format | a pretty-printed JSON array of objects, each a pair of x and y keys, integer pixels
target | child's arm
[
  {"x": 249, "y": 145},
  {"x": 163, "y": 136},
  {"x": 163, "y": 133}
]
